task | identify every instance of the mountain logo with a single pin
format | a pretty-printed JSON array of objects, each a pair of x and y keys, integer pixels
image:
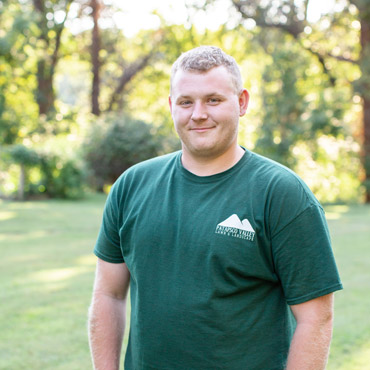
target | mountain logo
[{"x": 232, "y": 226}]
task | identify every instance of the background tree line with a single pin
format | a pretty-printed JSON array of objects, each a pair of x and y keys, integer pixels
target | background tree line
[{"x": 79, "y": 107}]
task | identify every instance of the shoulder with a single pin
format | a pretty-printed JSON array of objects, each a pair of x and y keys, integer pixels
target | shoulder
[
  {"x": 281, "y": 193},
  {"x": 145, "y": 173},
  {"x": 268, "y": 167},
  {"x": 150, "y": 167},
  {"x": 278, "y": 180}
]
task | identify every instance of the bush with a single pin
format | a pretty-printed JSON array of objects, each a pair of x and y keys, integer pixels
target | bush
[
  {"x": 117, "y": 144},
  {"x": 61, "y": 179},
  {"x": 31, "y": 173},
  {"x": 23, "y": 157}
]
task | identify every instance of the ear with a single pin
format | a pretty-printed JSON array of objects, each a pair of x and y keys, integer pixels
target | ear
[
  {"x": 243, "y": 102},
  {"x": 170, "y": 103}
]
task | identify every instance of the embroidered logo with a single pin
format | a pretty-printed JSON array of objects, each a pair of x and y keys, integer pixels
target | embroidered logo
[{"x": 232, "y": 226}]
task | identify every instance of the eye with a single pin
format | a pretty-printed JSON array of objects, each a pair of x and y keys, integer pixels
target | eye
[
  {"x": 185, "y": 103},
  {"x": 214, "y": 100}
]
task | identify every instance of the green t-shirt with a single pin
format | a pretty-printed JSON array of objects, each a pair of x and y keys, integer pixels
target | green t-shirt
[{"x": 215, "y": 262}]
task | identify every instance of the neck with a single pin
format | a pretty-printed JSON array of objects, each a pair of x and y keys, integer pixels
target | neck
[{"x": 207, "y": 166}]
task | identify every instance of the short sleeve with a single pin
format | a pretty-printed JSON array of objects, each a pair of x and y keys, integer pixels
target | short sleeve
[
  {"x": 108, "y": 246},
  {"x": 304, "y": 259}
]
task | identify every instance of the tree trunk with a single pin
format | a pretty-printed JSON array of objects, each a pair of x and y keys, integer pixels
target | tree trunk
[
  {"x": 365, "y": 92},
  {"x": 22, "y": 181},
  {"x": 45, "y": 93},
  {"x": 95, "y": 48},
  {"x": 46, "y": 65},
  {"x": 366, "y": 108}
]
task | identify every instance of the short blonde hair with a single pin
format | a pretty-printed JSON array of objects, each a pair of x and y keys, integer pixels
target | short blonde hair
[{"x": 204, "y": 58}]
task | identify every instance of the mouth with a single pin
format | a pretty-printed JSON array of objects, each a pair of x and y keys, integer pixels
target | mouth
[{"x": 202, "y": 129}]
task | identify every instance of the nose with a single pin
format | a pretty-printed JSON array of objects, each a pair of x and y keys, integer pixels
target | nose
[{"x": 199, "y": 112}]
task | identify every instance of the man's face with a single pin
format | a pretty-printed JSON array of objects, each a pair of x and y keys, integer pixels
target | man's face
[{"x": 206, "y": 109}]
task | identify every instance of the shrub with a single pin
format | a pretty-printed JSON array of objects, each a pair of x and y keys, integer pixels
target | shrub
[
  {"x": 25, "y": 158},
  {"x": 61, "y": 178},
  {"x": 32, "y": 173},
  {"x": 114, "y": 146}
]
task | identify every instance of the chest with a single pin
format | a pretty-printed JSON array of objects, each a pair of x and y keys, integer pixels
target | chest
[{"x": 200, "y": 229}]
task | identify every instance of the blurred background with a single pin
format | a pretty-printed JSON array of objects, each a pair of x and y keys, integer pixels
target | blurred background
[{"x": 84, "y": 90}]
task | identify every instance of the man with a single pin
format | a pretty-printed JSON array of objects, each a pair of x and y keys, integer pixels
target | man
[{"x": 227, "y": 254}]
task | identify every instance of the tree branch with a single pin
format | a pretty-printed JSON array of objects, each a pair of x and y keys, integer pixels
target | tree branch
[
  {"x": 127, "y": 76},
  {"x": 321, "y": 59},
  {"x": 343, "y": 59},
  {"x": 306, "y": 9},
  {"x": 293, "y": 28},
  {"x": 39, "y": 5},
  {"x": 59, "y": 30}
]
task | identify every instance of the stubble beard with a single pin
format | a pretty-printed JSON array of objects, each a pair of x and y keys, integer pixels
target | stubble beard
[{"x": 212, "y": 149}]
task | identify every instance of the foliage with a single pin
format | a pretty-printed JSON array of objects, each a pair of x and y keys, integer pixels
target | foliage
[
  {"x": 115, "y": 144},
  {"x": 301, "y": 74},
  {"x": 331, "y": 170},
  {"x": 22, "y": 155},
  {"x": 24, "y": 158},
  {"x": 60, "y": 178},
  {"x": 43, "y": 174},
  {"x": 16, "y": 82},
  {"x": 295, "y": 107},
  {"x": 340, "y": 35}
]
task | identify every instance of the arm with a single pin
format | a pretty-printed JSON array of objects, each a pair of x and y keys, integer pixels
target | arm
[
  {"x": 309, "y": 349},
  {"x": 107, "y": 314}
]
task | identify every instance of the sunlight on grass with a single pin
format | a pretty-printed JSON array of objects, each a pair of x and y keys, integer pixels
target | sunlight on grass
[
  {"x": 28, "y": 205},
  {"x": 336, "y": 212},
  {"x": 7, "y": 215},
  {"x": 360, "y": 360},
  {"x": 19, "y": 235},
  {"x": 87, "y": 260},
  {"x": 56, "y": 275}
]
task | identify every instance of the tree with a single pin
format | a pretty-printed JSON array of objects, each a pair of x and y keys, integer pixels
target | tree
[
  {"x": 17, "y": 83},
  {"x": 363, "y": 84},
  {"x": 50, "y": 19},
  {"x": 25, "y": 158},
  {"x": 128, "y": 67},
  {"x": 290, "y": 17},
  {"x": 95, "y": 59},
  {"x": 112, "y": 71}
]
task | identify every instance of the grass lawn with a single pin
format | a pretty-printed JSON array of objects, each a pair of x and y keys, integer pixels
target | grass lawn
[
  {"x": 47, "y": 271},
  {"x": 350, "y": 230}
]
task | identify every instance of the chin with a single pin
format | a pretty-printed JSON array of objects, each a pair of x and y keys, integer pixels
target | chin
[{"x": 208, "y": 151}]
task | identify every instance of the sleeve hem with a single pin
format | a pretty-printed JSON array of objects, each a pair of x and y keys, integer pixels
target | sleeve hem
[
  {"x": 316, "y": 294},
  {"x": 108, "y": 259}
]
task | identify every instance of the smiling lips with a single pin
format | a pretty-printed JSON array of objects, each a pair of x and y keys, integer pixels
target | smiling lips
[{"x": 201, "y": 129}]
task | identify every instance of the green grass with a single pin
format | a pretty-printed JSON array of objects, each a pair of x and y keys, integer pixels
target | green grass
[
  {"x": 350, "y": 230},
  {"x": 47, "y": 271},
  {"x": 46, "y": 277}
]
